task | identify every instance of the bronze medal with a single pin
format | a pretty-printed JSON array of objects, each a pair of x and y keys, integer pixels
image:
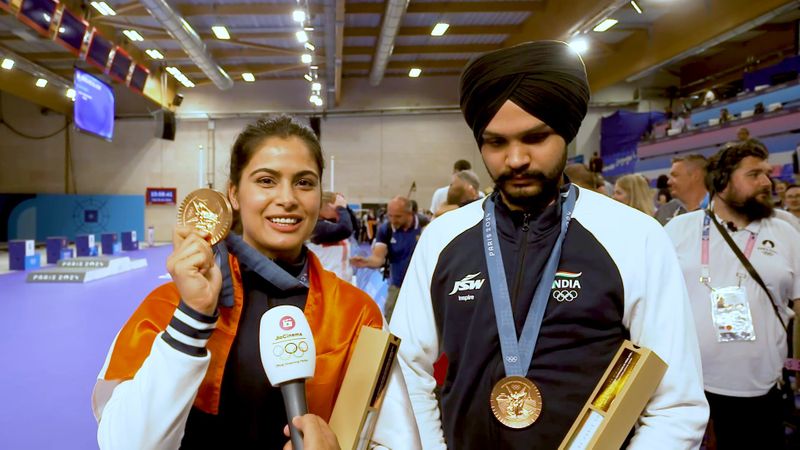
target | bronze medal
[
  {"x": 207, "y": 210},
  {"x": 516, "y": 402}
]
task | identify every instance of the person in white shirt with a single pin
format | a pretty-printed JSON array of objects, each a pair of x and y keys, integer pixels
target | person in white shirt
[
  {"x": 439, "y": 198},
  {"x": 742, "y": 333}
]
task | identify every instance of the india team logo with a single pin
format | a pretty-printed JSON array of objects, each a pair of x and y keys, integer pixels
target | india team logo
[{"x": 566, "y": 286}]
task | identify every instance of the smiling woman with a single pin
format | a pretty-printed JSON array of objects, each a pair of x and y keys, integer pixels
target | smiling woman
[
  {"x": 186, "y": 372},
  {"x": 276, "y": 167}
]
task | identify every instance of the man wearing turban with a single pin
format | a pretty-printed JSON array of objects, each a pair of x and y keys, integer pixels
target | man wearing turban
[{"x": 531, "y": 292}]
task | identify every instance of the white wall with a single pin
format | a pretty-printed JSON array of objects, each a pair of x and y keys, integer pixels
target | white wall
[
  {"x": 379, "y": 152},
  {"x": 377, "y": 156}
]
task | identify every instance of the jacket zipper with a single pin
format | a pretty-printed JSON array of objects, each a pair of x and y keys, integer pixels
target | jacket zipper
[{"x": 524, "y": 242}]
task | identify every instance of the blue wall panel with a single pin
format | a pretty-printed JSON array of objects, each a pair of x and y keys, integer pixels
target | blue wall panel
[{"x": 68, "y": 215}]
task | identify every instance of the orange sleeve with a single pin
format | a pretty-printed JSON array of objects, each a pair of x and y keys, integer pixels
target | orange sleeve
[{"x": 137, "y": 335}]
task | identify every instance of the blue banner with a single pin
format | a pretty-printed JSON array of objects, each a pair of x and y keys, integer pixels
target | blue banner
[
  {"x": 69, "y": 215},
  {"x": 620, "y": 134}
]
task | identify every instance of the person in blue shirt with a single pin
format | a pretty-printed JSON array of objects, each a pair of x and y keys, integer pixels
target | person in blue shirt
[{"x": 395, "y": 241}]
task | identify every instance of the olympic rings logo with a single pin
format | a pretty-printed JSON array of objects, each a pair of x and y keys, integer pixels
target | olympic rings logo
[
  {"x": 565, "y": 295},
  {"x": 290, "y": 349},
  {"x": 512, "y": 359}
]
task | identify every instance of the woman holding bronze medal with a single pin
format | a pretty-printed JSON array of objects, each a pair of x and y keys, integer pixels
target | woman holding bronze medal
[{"x": 185, "y": 371}]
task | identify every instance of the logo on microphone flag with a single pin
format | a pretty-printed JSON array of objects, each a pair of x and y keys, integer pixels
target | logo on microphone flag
[{"x": 287, "y": 323}]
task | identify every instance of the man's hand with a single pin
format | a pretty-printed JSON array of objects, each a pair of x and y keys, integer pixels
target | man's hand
[{"x": 317, "y": 435}]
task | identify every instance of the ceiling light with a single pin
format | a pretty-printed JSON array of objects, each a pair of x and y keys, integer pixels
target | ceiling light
[
  {"x": 605, "y": 25},
  {"x": 308, "y": 77},
  {"x": 314, "y": 67},
  {"x": 316, "y": 86},
  {"x": 133, "y": 35},
  {"x": 306, "y": 58},
  {"x": 249, "y": 77},
  {"x": 440, "y": 29},
  {"x": 70, "y": 94},
  {"x": 308, "y": 28},
  {"x": 221, "y": 32},
  {"x": 318, "y": 102},
  {"x": 41, "y": 82},
  {"x": 183, "y": 79},
  {"x": 302, "y": 37},
  {"x": 580, "y": 45},
  {"x": 313, "y": 98},
  {"x": 299, "y": 15},
  {"x": 153, "y": 53},
  {"x": 310, "y": 46},
  {"x": 8, "y": 64},
  {"x": 415, "y": 72},
  {"x": 636, "y": 6},
  {"x": 104, "y": 9}
]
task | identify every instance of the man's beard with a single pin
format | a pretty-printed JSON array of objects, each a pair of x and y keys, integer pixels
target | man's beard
[
  {"x": 751, "y": 207},
  {"x": 547, "y": 183}
]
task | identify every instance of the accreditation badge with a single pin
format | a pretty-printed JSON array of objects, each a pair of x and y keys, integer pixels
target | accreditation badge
[{"x": 730, "y": 312}]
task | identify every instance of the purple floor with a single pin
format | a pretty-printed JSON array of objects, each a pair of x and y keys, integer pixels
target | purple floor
[{"x": 53, "y": 342}]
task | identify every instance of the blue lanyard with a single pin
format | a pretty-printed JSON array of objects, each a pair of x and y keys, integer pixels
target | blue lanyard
[
  {"x": 258, "y": 263},
  {"x": 517, "y": 355}
]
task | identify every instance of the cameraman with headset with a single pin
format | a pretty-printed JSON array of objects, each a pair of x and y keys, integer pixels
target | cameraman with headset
[{"x": 742, "y": 271}]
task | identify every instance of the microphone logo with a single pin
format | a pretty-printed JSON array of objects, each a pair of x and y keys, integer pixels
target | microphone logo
[{"x": 287, "y": 323}]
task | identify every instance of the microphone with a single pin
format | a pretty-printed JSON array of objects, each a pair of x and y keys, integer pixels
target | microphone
[{"x": 289, "y": 357}]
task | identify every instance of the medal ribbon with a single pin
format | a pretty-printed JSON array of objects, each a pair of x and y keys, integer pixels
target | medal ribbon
[
  {"x": 258, "y": 263},
  {"x": 517, "y": 355}
]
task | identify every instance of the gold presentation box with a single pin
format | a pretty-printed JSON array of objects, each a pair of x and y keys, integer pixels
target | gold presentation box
[
  {"x": 359, "y": 402},
  {"x": 618, "y": 400}
]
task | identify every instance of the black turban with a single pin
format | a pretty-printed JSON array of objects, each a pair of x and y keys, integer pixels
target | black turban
[{"x": 545, "y": 78}]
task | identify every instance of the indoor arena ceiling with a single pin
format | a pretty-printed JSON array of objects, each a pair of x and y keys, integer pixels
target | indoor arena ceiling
[{"x": 356, "y": 38}]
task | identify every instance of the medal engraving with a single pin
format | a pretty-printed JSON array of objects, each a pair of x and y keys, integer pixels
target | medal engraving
[
  {"x": 516, "y": 402},
  {"x": 207, "y": 210}
]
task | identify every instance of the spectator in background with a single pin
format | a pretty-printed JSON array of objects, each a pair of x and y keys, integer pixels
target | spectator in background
[
  {"x": 634, "y": 191},
  {"x": 454, "y": 195},
  {"x": 779, "y": 187},
  {"x": 602, "y": 186},
  {"x": 335, "y": 223},
  {"x": 678, "y": 122},
  {"x": 330, "y": 240},
  {"x": 395, "y": 242},
  {"x": 422, "y": 218},
  {"x": 662, "y": 182},
  {"x": 792, "y": 199},
  {"x": 724, "y": 116},
  {"x": 687, "y": 187},
  {"x": 464, "y": 189},
  {"x": 579, "y": 174},
  {"x": 596, "y": 163},
  {"x": 440, "y": 195},
  {"x": 662, "y": 198},
  {"x": 743, "y": 135}
]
